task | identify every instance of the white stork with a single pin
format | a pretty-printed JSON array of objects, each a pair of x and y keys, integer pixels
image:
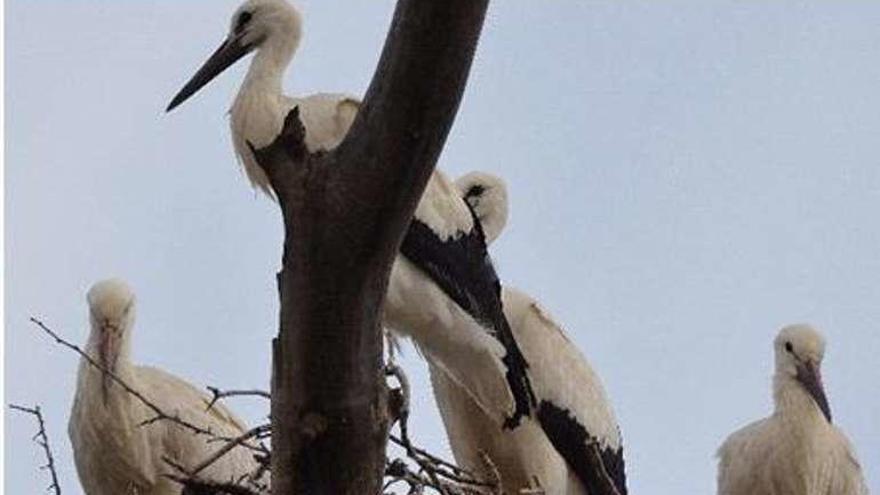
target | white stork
[
  {"x": 796, "y": 450},
  {"x": 443, "y": 292},
  {"x": 273, "y": 29},
  {"x": 114, "y": 455},
  {"x": 444, "y": 255},
  {"x": 445, "y": 295},
  {"x": 574, "y": 434}
]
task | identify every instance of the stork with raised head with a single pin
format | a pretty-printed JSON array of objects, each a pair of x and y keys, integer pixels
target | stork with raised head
[
  {"x": 114, "y": 453},
  {"x": 797, "y": 449},
  {"x": 573, "y": 436},
  {"x": 444, "y": 250},
  {"x": 271, "y": 28}
]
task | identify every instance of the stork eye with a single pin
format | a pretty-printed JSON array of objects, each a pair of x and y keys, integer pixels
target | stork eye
[
  {"x": 243, "y": 21},
  {"x": 475, "y": 190},
  {"x": 789, "y": 347}
]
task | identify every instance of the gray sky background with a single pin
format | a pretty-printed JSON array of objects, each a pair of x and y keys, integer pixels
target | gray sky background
[{"x": 685, "y": 178}]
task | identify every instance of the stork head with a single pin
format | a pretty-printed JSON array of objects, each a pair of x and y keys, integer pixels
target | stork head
[
  {"x": 111, "y": 312},
  {"x": 257, "y": 23},
  {"x": 799, "y": 351},
  {"x": 487, "y": 196}
]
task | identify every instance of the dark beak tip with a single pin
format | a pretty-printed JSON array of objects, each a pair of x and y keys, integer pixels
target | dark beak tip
[
  {"x": 812, "y": 382},
  {"x": 175, "y": 102},
  {"x": 227, "y": 54}
]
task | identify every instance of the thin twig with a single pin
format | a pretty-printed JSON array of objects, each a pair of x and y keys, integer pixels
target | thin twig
[
  {"x": 218, "y": 394},
  {"x": 193, "y": 485},
  {"x": 160, "y": 415},
  {"x": 398, "y": 471},
  {"x": 42, "y": 439},
  {"x": 239, "y": 440},
  {"x": 402, "y": 408},
  {"x": 495, "y": 474},
  {"x": 402, "y": 414},
  {"x": 434, "y": 459},
  {"x": 438, "y": 474}
]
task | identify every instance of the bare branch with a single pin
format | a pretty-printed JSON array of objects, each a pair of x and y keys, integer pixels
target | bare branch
[
  {"x": 399, "y": 399},
  {"x": 231, "y": 444},
  {"x": 398, "y": 471},
  {"x": 42, "y": 439},
  {"x": 495, "y": 479},
  {"x": 345, "y": 213},
  {"x": 433, "y": 472},
  {"x": 218, "y": 394},
  {"x": 194, "y": 485},
  {"x": 409, "y": 107},
  {"x": 442, "y": 468},
  {"x": 160, "y": 415}
]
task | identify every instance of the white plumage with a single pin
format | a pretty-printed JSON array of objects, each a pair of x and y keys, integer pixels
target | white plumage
[
  {"x": 448, "y": 336},
  {"x": 526, "y": 456},
  {"x": 273, "y": 28},
  {"x": 452, "y": 341},
  {"x": 560, "y": 374},
  {"x": 113, "y": 454},
  {"x": 523, "y": 456},
  {"x": 443, "y": 291},
  {"x": 796, "y": 450},
  {"x": 487, "y": 196}
]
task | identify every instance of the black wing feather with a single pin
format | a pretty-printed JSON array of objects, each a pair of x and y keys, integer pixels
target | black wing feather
[
  {"x": 600, "y": 469},
  {"x": 463, "y": 270}
]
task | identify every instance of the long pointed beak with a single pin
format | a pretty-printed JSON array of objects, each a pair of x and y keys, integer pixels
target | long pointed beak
[
  {"x": 809, "y": 376},
  {"x": 108, "y": 352},
  {"x": 229, "y": 52}
]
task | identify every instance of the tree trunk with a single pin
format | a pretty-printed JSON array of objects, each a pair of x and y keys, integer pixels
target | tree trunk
[{"x": 345, "y": 213}]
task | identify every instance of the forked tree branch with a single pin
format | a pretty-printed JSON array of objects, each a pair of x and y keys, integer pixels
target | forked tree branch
[
  {"x": 218, "y": 394},
  {"x": 42, "y": 439}
]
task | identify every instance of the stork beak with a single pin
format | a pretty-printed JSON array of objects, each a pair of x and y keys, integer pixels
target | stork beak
[
  {"x": 809, "y": 376},
  {"x": 108, "y": 352},
  {"x": 229, "y": 52}
]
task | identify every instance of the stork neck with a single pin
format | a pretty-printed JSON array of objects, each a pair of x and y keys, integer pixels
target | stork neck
[
  {"x": 266, "y": 72},
  {"x": 111, "y": 424},
  {"x": 123, "y": 367},
  {"x": 793, "y": 402}
]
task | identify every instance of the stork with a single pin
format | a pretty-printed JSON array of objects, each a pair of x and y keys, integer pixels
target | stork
[
  {"x": 797, "y": 449},
  {"x": 444, "y": 293},
  {"x": 574, "y": 434},
  {"x": 114, "y": 453},
  {"x": 444, "y": 250},
  {"x": 273, "y": 29}
]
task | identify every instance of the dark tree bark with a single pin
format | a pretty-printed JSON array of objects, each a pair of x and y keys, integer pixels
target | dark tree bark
[{"x": 345, "y": 213}]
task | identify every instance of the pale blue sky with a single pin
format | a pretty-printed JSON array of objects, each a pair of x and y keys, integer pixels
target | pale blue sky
[{"x": 685, "y": 178}]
